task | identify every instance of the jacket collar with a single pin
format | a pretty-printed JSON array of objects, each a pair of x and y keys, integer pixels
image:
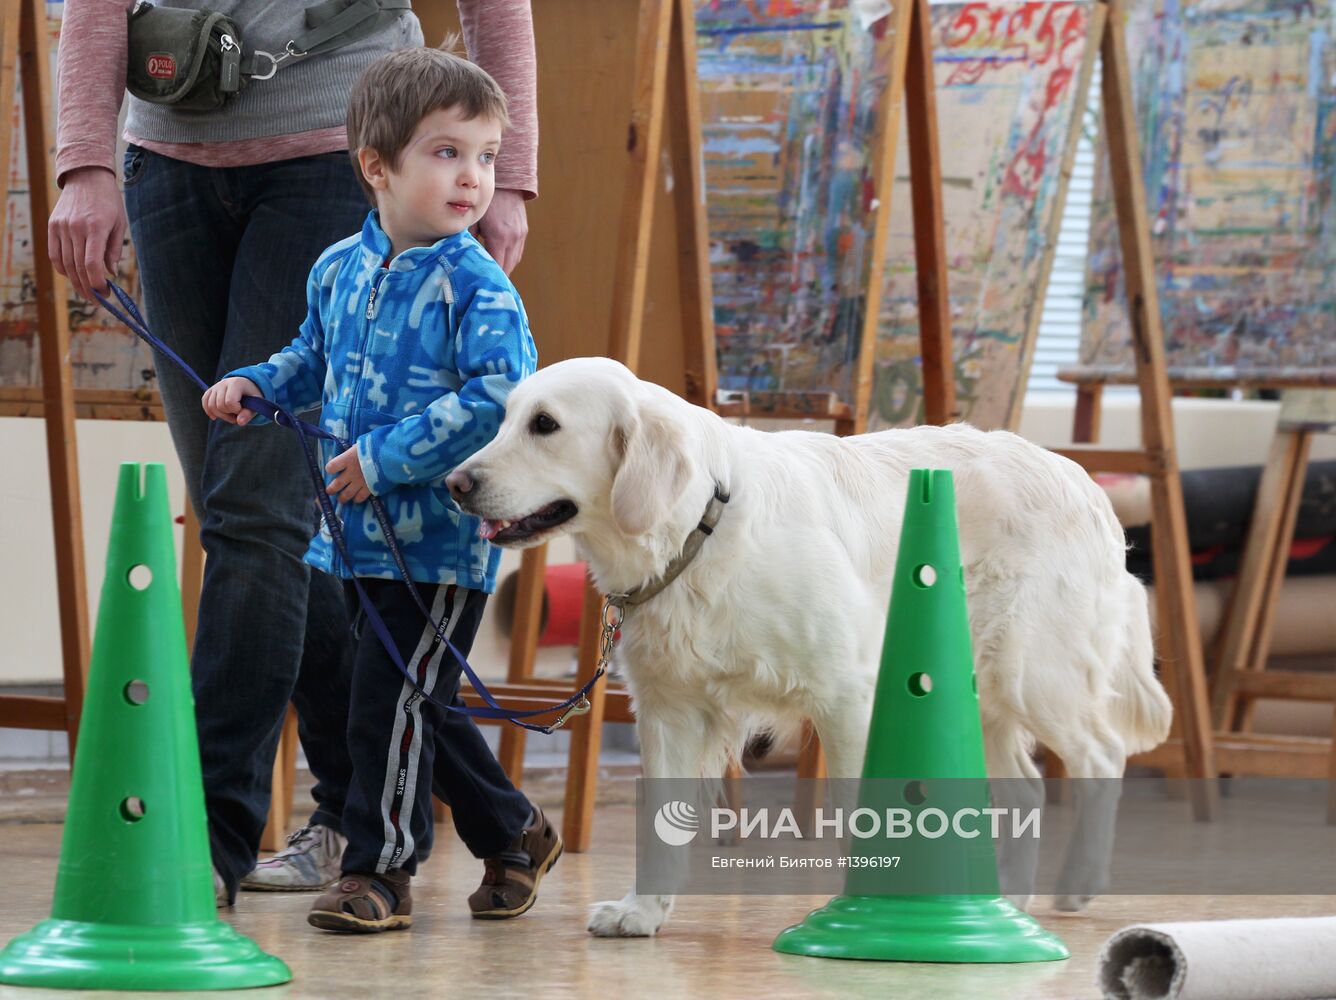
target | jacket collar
[{"x": 377, "y": 248}]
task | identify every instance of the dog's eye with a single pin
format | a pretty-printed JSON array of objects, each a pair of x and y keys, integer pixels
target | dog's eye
[{"x": 543, "y": 424}]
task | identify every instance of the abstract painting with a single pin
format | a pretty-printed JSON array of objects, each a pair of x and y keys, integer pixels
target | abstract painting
[
  {"x": 1008, "y": 79},
  {"x": 1236, "y": 104},
  {"x": 789, "y": 94}
]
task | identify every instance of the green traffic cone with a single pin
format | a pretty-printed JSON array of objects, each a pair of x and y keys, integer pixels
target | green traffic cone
[
  {"x": 134, "y": 905},
  {"x": 925, "y": 725}
]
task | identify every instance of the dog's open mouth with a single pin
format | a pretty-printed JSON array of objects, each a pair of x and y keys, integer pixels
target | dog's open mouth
[{"x": 541, "y": 520}]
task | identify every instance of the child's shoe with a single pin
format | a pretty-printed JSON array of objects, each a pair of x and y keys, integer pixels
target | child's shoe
[
  {"x": 309, "y": 863},
  {"x": 365, "y": 904},
  {"x": 510, "y": 884}
]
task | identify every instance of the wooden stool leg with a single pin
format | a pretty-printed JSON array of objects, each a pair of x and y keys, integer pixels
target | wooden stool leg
[
  {"x": 523, "y": 649},
  {"x": 586, "y": 733},
  {"x": 811, "y": 768},
  {"x": 285, "y": 779}
]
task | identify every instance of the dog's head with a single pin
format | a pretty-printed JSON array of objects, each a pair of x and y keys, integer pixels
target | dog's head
[{"x": 585, "y": 446}]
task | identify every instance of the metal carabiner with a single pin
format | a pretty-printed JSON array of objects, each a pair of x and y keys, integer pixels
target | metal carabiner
[
  {"x": 290, "y": 51},
  {"x": 581, "y": 707}
]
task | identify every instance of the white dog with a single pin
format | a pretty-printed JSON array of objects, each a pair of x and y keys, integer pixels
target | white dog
[{"x": 780, "y": 615}]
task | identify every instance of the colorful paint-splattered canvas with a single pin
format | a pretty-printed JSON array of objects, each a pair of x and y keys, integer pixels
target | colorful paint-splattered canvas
[
  {"x": 103, "y": 354},
  {"x": 1237, "y": 107},
  {"x": 1008, "y": 80},
  {"x": 789, "y": 91}
]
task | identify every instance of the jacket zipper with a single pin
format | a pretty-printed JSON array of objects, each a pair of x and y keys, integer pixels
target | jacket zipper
[{"x": 357, "y": 386}]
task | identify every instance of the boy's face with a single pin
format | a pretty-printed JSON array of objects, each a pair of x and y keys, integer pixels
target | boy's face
[{"x": 444, "y": 181}]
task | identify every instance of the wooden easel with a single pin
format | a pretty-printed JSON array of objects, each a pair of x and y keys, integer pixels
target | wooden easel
[
  {"x": 23, "y": 51},
  {"x": 662, "y": 323},
  {"x": 1238, "y": 666},
  {"x": 1180, "y": 645}
]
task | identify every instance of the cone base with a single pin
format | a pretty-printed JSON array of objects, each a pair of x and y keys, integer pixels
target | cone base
[
  {"x": 922, "y": 929},
  {"x": 69, "y": 954}
]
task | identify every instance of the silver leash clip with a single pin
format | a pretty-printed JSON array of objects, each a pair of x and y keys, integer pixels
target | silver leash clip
[{"x": 581, "y": 707}]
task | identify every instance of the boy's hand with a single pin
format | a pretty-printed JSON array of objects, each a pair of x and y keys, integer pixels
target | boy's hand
[
  {"x": 349, "y": 484},
  {"x": 223, "y": 401}
]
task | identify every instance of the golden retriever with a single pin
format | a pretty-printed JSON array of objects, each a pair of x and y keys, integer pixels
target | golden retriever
[{"x": 780, "y": 616}]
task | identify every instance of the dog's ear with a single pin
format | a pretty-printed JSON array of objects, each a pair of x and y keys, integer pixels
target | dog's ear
[{"x": 654, "y": 470}]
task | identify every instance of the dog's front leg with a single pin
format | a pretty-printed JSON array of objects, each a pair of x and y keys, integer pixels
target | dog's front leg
[{"x": 674, "y": 747}]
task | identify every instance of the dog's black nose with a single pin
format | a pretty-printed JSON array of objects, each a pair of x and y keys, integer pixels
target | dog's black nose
[{"x": 459, "y": 482}]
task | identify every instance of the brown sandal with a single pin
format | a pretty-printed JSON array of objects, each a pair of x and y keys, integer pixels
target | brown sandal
[
  {"x": 365, "y": 904},
  {"x": 508, "y": 890}
]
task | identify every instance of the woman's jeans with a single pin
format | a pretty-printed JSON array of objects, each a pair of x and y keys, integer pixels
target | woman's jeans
[{"x": 224, "y": 255}]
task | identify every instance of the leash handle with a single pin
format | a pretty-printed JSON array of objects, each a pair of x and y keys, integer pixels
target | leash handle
[{"x": 577, "y": 704}]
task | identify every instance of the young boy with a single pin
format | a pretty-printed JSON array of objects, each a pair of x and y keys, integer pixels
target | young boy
[{"x": 414, "y": 337}]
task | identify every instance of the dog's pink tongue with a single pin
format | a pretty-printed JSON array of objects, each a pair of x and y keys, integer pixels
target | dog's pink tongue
[{"x": 489, "y": 529}]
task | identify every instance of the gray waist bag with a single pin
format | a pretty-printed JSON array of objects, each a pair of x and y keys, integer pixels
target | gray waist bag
[{"x": 194, "y": 60}]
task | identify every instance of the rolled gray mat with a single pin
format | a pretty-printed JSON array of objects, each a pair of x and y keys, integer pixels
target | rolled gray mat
[{"x": 1290, "y": 958}]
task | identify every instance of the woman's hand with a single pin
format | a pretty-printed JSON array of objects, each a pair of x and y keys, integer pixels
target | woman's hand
[{"x": 86, "y": 229}]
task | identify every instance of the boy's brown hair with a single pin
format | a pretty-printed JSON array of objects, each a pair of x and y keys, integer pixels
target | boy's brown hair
[{"x": 398, "y": 90}]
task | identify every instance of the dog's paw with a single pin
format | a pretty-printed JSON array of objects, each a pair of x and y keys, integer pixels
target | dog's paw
[
  {"x": 1020, "y": 900},
  {"x": 1070, "y": 902},
  {"x": 633, "y": 916}
]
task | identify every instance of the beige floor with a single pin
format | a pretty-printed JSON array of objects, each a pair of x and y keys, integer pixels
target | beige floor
[{"x": 712, "y": 947}]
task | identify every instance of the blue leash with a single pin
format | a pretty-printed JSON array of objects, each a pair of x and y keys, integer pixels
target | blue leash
[{"x": 576, "y": 704}]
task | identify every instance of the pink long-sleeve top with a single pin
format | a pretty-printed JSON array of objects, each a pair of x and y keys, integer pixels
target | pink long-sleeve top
[{"x": 497, "y": 33}]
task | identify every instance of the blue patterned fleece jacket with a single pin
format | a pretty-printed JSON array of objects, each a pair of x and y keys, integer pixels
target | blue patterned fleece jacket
[{"x": 413, "y": 359}]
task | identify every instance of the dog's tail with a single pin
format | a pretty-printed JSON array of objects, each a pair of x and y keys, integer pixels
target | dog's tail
[{"x": 1144, "y": 710}]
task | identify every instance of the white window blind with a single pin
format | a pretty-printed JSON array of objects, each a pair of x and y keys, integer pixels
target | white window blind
[{"x": 1060, "y": 323}]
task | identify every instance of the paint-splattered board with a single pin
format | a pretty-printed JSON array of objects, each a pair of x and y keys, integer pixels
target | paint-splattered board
[
  {"x": 789, "y": 104},
  {"x": 789, "y": 94},
  {"x": 1237, "y": 108},
  {"x": 1010, "y": 79},
  {"x": 103, "y": 354}
]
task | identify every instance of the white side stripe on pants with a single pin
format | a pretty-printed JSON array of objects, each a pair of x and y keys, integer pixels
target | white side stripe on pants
[{"x": 401, "y": 768}]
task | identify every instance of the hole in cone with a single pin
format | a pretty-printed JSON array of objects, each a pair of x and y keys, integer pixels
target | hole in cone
[
  {"x": 136, "y": 692},
  {"x": 919, "y": 684},
  {"x": 132, "y": 809},
  {"x": 140, "y": 577},
  {"x": 916, "y": 793},
  {"x": 924, "y": 576}
]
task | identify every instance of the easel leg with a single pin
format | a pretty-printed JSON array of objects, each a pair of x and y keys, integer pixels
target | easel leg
[
  {"x": 702, "y": 377},
  {"x": 925, "y": 191},
  {"x": 523, "y": 650},
  {"x": 1173, "y": 572},
  {"x": 885, "y": 140},
  {"x": 586, "y": 733},
  {"x": 1331, "y": 776},
  {"x": 1256, "y": 571},
  {"x": 1279, "y": 562},
  {"x": 192, "y": 574},
  {"x": 644, "y": 141},
  {"x": 1089, "y": 411},
  {"x": 57, "y": 378}
]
